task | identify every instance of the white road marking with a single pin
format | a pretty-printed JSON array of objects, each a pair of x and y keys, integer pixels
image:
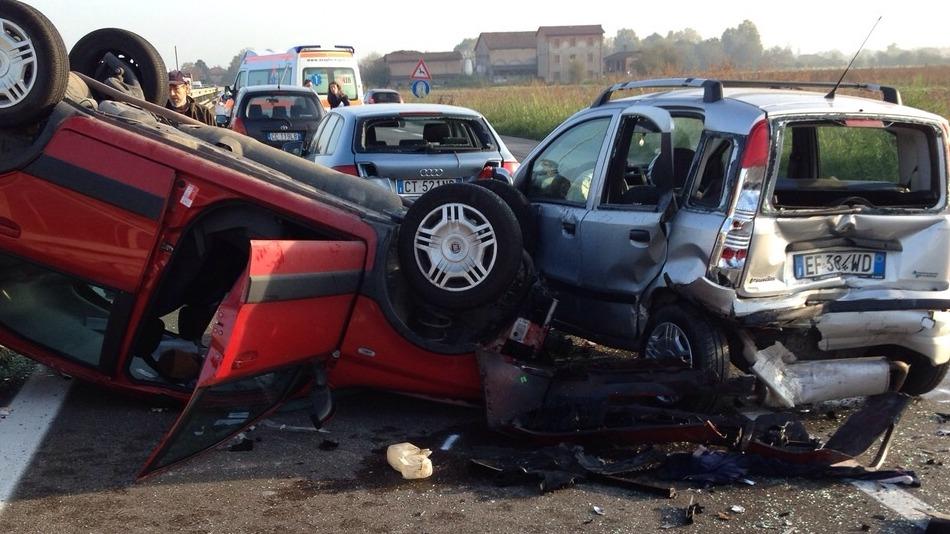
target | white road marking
[
  {"x": 909, "y": 507},
  {"x": 32, "y": 412}
]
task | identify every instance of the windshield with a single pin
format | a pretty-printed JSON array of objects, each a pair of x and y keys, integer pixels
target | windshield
[
  {"x": 322, "y": 76},
  {"x": 423, "y": 133},
  {"x": 851, "y": 162}
]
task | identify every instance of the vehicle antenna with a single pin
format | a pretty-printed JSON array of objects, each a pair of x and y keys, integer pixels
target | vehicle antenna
[{"x": 831, "y": 94}]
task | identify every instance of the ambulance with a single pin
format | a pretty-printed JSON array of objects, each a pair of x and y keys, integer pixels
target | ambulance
[{"x": 319, "y": 64}]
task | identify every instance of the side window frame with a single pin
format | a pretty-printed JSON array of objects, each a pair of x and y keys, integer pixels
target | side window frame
[
  {"x": 594, "y": 186},
  {"x": 706, "y": 150}
]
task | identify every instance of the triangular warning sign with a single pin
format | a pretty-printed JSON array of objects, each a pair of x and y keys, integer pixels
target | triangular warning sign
[{"x": 421, "y": 72}]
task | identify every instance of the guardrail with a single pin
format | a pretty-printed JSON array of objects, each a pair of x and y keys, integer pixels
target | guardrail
[{"x": 205, "y": 94}]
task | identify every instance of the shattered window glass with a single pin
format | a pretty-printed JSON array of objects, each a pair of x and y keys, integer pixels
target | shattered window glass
[
  {"x": 852, "y": 162},
  {"x": 215, "y": 413}
]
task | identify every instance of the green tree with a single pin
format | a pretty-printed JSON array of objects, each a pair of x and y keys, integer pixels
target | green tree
[
  {"x": 234, "y": 66},
  {"x": 466, "y": 47},
  {"x": 626, "y": 40},
  {"x": 374, "y": 70},
  {"x": 575, "y": 72},
  {"x": 743, "y": 44}
]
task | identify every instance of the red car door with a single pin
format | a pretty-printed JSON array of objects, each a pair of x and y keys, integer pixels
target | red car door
[
  {"x": 288, "y": 309},
  {"x": 78, "y": 227}
]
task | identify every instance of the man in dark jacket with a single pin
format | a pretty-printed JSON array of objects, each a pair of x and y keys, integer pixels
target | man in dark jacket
[{"x": 178, "y": 99}]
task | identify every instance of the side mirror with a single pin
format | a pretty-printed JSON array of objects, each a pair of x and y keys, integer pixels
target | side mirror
[
  {"x": 222, "y": 120},
  {"x": 502, "y": 174}
]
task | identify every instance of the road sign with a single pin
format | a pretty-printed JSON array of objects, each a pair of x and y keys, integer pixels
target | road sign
[
  {"x": 421, "y": 88},
  {"x": 421, "y": 72}
]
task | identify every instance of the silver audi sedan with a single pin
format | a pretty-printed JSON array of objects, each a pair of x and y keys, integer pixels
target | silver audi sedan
[{"x": 410, "y": 148}]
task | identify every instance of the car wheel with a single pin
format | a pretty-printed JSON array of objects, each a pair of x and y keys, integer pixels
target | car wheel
[
  {"x": 460, "y": 246},
  {"x": 923, "y": 375},
  {"x": 679, "y": 333},
  {"x": 131, "y": 48},
  {"x": 33, "y": 65},
  {"x": 519, "y": 206}
]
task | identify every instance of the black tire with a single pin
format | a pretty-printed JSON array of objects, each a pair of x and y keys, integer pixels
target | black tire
[
  {"x": 45, "y": 79},
  {"x": 519, "y": 206},
  {"x": 707, "y": 344},
  {"x": 923, "y": 376},
  {"x": 133, "y": 49},
  {"x": 499, "y": 262}
]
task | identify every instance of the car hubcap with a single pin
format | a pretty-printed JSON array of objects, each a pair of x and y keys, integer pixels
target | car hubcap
[
  {"x": 669, "y": 342},
  {"x": 17, "y": 64},
  {"x": 455, "y": 247}
]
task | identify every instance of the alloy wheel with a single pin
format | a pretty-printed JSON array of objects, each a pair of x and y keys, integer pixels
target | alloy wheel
[
  {"x": 18, "y": 67},
  {"x": 455, "y": 247}
]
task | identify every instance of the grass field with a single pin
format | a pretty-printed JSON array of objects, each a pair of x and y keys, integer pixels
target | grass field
[{"x": 534, "y": 110}]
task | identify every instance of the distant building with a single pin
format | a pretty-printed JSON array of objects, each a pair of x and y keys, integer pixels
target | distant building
[
  {"x": 506, "y": 54},
  {"x": 623, "y": 62},
  {"x": 442, "y": 65},
  {"x": 564, "y": 51}
]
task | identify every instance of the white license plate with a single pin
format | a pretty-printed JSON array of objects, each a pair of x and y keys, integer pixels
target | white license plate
[
  {"x": 418, "y": 187},
  {"x": 284, "y": 136},
  {"x": 853, "y": 262}
]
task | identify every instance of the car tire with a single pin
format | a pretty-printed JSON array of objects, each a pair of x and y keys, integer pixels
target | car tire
[
  {"x": 923, "y": 376},
  {"x": 520, "y": 206},
  {"x": 33, "y": 61},
  {"x": 470, "y": 232},
  {"x": 679, "y": 331},
  {"x": 133, "y": 49}
]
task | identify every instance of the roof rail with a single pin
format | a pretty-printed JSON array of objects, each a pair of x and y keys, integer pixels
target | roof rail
[
  {"x": 888, "y": 94},
  {"x": 301, "y": 48},
  {"x": 712, "y": 89}
]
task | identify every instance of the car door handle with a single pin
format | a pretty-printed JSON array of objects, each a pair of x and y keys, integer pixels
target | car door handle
[
  {"x": 9, "y": 228},
  {"x": 640, "y": 236},
  {"x": 569, "y": 227}
]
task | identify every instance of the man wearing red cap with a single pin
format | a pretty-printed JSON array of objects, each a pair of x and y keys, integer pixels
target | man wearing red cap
[{"x": 178, "y": 100}]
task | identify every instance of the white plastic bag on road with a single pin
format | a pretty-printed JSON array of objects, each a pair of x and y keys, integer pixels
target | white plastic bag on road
[{"x": 409, "y": 460}]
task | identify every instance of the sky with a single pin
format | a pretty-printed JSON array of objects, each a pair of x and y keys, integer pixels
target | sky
[{"x": 216, "y": 31}]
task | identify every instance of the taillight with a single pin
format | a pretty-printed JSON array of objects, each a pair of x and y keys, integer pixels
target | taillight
[
  {"x": 487, "y": 172},
  {"x": 735, "y": 235},
  {"x": 238, "y": 126},
  {"x": 511, "y": 166},
  {"x": 347, "y": 169}
]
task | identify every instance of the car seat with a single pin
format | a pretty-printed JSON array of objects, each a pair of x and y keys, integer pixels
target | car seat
[
  {"x": 255, "y": 111},
  {"x": 279, "y": 112},
  {"x": 298, "y": 112},
  {"x": 435, "y": 132}
]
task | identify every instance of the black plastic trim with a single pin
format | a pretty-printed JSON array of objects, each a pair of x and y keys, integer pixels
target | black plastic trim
[
  {"x": 278, "y": 287},
  {"x": 97, "y": 186}
]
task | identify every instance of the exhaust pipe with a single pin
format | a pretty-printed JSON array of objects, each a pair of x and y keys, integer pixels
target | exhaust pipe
[{"x": 791, "y": 383}]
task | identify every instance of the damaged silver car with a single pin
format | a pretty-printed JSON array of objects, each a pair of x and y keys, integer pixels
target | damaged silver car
[{"x": 773, "y": 228}]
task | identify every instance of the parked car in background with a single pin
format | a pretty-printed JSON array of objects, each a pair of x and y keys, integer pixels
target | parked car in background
[
  {"x": 280, "y": 116},
  {"x": 409, "y": 148},
  {"x": 382, "y": 96}
]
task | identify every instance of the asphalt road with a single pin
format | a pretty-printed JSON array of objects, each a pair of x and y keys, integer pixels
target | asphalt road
[{"x": 292, "y": 480}]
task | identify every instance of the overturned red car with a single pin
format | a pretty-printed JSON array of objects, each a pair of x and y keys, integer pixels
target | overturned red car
[{"x": 143, "y": 252}]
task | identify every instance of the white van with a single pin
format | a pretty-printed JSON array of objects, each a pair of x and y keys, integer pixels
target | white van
[{"x": 321, "y": 65}]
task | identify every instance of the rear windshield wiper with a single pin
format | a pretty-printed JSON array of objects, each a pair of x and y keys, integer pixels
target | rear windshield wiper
[{"x": 855, "y": 201}]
